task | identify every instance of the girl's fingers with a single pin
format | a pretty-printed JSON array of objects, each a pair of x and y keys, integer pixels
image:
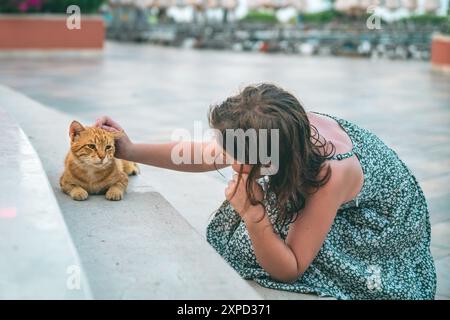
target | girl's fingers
[
  {"x": 99, "y": 122},
  {"x": 110, "y": 129},
  {"x": 107, "y": 121},
  {"x": 229, "y": 190},
  {"x": 244, "y": 176},
  {"x": 228, "y": 193},
  {"x": 110, "y": 122}
]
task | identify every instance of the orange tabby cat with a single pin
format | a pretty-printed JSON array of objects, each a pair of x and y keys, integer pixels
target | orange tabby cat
[{"x": 90, "y": 166}]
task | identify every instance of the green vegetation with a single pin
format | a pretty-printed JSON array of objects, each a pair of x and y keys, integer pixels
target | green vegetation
[
  {"x": 321, "y": 17},
  {"x": 427, "y": 19},
  {"x": 260, "y": 17},
  {"x": 48, "y": 6},
  {"x": 86, "y": 6}
]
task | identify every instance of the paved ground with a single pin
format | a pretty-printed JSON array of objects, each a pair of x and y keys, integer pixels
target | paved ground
[{"x": 153, "y": 90}]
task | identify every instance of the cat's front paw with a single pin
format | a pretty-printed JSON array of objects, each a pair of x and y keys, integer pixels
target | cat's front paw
[
  {"x": 134, "y": 170},
  {"x": 79, "y": 194},
  {"x": 114, "y": 194},
  {"x": 130, "y": 168}
]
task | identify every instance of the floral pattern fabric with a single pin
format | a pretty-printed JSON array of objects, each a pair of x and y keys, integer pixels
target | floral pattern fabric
[{"x": 378, "y": 246}]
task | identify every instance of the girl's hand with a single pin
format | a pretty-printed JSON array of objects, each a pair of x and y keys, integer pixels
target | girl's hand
[
  {"x": 236, "y": 194},
  {"x": 122, "y": 143},
  {"x": 108, "y": 124}
]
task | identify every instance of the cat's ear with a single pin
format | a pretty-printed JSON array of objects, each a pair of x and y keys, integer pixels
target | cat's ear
[{"x": 75, "y": 129}]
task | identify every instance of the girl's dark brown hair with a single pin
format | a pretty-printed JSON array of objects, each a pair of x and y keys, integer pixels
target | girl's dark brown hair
[{"x": 302, "y": 151}]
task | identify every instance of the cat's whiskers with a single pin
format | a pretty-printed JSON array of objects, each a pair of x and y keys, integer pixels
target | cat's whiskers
[{"x": 82, "y": 164}]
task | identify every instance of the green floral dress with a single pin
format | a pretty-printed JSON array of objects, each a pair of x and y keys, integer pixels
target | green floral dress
[{"x": 378, "y": 246}]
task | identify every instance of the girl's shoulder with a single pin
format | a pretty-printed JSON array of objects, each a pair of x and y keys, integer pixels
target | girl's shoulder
[{"x": 346, "y": 176}]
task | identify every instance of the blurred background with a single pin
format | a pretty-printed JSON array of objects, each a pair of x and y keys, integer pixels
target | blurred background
[
  {"x": 308, "y": 27},
  {"x": 157, "y": 65},
  {"x": 395, "y": 29}
]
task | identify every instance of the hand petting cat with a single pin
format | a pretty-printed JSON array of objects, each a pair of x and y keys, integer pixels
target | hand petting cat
[{"x": 122, "y": 141}]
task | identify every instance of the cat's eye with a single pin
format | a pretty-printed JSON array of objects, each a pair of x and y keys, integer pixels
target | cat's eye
[
  {"x": 92, "y": 146},
  {"x": 108, "y": 147}
]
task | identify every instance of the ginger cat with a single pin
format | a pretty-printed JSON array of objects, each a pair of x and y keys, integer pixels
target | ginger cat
[{"x": 90, "y": 166}]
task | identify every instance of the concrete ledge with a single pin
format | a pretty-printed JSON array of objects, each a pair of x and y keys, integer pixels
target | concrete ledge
[
  {"x": 37, "y": 255},
  {"x": 138, "y": 248},
  {"x": 440, "y": 53},
  {"x": 51, "y": 53},
  {"x": 35, "y": 31},
  {"x": 141, "y": 248}
]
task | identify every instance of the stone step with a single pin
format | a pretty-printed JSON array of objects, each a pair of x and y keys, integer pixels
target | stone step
[{"x": 38, "y": 259}]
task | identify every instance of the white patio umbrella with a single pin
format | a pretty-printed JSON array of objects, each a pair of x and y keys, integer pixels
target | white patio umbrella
[
  {"x": 299, "y": 5},
  {"x": 255, "y": 4},
  {"x": 346, "y": 5},
  {"x": 352, "y": 7},
  {"x": 431, "y": 6},
  {"x": 410, "y": 5},
  {"x": 121, "y": 2},
  {"x": 340, "y": 5},
  {"x": 376, "y": 3},
  {"x": 198, "y": 4},
  {"x": 271, "y": 4},
  {"x": 262, "y": 3},
  {"x": 364, "y": 4},
  {"x": 392, "y": 4},
  {"x": 228, "y": 4},
  {"x": 212, "y": 4},
  {"x": 180, "y": 3},
  {"x": 144, "y": 3},
  {"x": 279, "y": 4}
]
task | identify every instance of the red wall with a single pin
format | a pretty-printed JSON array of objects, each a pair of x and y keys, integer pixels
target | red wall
[{"x": 50, "y": 33}]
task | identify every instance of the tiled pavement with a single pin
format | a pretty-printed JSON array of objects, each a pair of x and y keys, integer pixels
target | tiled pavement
[{"x": 153, "y": 90}]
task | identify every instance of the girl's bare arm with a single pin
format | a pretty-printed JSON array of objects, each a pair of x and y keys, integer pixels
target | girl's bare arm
[
  {"x": 197, "y": 156},
  {"x": 286, "y": 260}
]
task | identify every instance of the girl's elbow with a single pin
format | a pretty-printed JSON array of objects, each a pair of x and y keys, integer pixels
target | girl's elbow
[
  {"x": 294, "y": 275},
  {"x": 289, "y": 278}
]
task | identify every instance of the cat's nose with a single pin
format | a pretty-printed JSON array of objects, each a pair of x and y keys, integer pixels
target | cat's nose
[{"x": 102, "y": 156}]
